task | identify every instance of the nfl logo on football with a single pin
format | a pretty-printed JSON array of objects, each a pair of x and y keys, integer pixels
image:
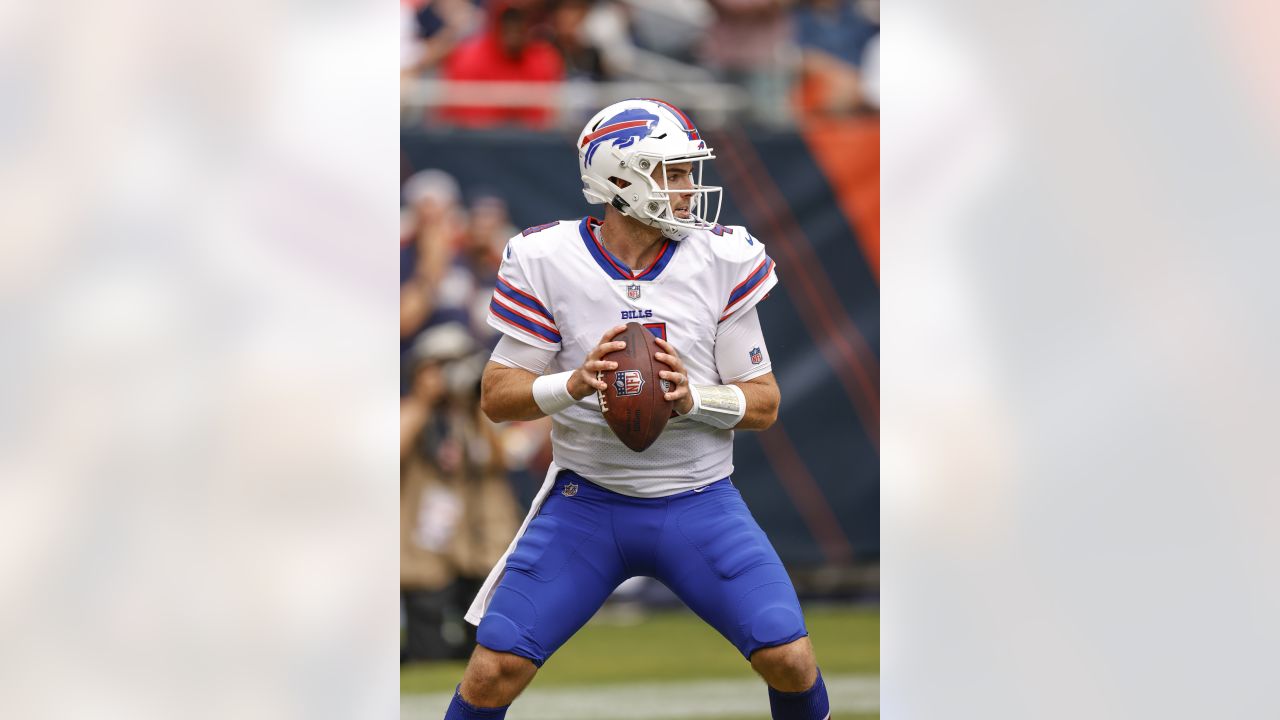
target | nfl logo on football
[
  {"x": 628, "y": 382},
  {"x": 756, "y": 356},
  {"x": 633, "y": 292}
]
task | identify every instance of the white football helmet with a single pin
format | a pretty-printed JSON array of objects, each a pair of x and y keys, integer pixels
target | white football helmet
[{"x": 628, "y": 141}]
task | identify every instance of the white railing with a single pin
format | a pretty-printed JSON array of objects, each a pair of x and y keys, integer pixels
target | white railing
[{"x": 713, "y": 103}]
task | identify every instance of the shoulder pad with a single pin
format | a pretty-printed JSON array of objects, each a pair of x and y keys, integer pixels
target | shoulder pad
[
  {"x": 734, "y": 243},
  {"x": 536, "y": 241}
]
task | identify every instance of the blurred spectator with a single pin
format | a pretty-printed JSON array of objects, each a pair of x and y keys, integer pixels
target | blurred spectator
[
  {"x": 567, "y": 29},
  {"x": 431, "y": 227},
  {"x": 488, "y": 229},
  {"x": 458, "y": 508},
  {"x": 430, "y": 29},
  {"x": 833, "y": 36},
  {"x": 458, "y": 512},
  {"x": 429, "y": 511},
  {"x": 749, "y": 43},
  {"x": 464, "y": 288},
  {"x": 505, "y": 51},
  {"x": 411, "y": 49},
  {"x": 474, "y": 271},
  {"x": 670, "y": 29},
  {"x": 618, "y": 30}
]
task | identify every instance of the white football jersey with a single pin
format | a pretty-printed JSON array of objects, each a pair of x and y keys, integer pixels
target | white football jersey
[{"x": 560, "y": 289}]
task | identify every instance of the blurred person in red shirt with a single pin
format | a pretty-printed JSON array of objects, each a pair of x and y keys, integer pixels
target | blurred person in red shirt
[{"x": 505, "y": 51}]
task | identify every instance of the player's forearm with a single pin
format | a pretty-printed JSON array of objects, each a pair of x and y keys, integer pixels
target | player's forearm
[
  {"x": 507, "y": 394},
  {"x": 762, "y": 406},
  {"x": 416, "y": 303}
]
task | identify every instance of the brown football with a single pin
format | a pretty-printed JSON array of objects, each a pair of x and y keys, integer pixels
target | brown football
[{"x": 633, "y": 403}]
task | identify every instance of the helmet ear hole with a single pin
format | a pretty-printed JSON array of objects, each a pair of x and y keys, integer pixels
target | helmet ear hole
[{"x": 619, "y": 182}]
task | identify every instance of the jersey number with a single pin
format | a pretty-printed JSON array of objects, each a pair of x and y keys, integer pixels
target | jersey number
[{"x": 659, "y": 330}]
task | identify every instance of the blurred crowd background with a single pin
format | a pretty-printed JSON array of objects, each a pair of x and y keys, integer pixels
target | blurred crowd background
[
  {"x": 492, "y": 95},
  {"x": 765, "y": 62}
]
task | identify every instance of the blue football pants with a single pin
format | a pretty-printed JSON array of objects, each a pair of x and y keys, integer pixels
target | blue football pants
[{"x": 586, "y": 540}]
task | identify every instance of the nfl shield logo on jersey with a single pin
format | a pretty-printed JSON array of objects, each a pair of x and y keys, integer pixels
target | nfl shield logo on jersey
[
  {"x": 633, "y": 292},
  {"x": 756, "y": 356},
  {"x": 628, "y": 382}
]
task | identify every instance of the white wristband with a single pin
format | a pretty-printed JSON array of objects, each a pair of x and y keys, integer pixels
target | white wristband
[
  {"x": 551, "y": 392},
  {"x": 719, "y": 406}
]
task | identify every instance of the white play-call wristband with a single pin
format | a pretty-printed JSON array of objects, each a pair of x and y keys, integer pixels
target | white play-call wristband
[
  {"x": 720, "y": 406},
  {"x": 551, "y": 392}
]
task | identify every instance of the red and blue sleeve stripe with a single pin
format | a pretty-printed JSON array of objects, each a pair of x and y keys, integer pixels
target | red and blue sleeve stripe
[
  {"x": 753, "y": 281},
  {"x": 519, "y": 297},
  {"x": 515, "y": 319}
]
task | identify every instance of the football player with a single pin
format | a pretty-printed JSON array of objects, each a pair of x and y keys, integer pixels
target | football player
[{"x": 606, "y": 513}]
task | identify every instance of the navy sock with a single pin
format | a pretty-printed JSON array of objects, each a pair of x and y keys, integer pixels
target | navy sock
[
  {"x": 460, "y": 709},
  {"x": 811, "y": 704}
]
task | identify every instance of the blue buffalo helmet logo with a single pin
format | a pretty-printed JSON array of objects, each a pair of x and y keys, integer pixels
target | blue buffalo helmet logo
[{"x": 623, "y": 130}]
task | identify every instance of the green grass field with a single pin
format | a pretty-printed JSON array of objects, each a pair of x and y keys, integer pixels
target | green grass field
[{"x": 675, "y": 647}]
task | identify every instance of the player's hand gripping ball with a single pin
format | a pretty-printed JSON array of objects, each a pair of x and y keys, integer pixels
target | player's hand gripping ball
[{"x": 634, "y": 402}]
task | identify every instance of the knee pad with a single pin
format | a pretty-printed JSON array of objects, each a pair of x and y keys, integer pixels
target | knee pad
[
  {"x": 771, "y": 616},
  {"x": 508, "y": 622},
  {"x": 775, "y": 625},
  {"x": 508, "y": 627},
  {"x": 496, "y": 632}
]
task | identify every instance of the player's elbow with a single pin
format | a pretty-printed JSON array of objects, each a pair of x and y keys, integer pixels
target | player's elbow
[
  {"x": 505, "y": 393},
  {"x": 769, "y": 414},
  {"x": 490, "y": 403},
  {"x": 772, "y": 400},
  {"x": 489, "y": 408},
  {"x": 762, "y": 411},
  {"x": 495, "y": 409}
]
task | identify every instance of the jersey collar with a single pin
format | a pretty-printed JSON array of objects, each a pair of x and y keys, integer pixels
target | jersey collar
[{"x": 614, "y": 267}]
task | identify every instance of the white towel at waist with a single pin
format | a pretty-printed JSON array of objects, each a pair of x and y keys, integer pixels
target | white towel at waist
[{"x": 481, "y": 603}]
